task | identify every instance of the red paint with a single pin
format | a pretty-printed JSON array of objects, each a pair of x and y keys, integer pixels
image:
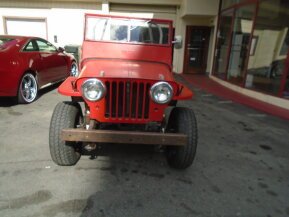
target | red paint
[
  {"x": 47, "y": 66},
  {"x": 126, "y": 51},
  {"x": 137, "y": 65},
  {"x": 123, "y": 68}
]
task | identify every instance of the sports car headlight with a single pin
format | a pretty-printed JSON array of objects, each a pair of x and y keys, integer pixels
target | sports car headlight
[
  {"x": 93, "y": 89},
  {"x": 161, "y": 92}
]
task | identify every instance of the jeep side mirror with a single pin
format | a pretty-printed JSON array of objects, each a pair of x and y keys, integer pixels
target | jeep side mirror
[
  {"x": 61, "y": 49},
  {"x": 178, "y": 42}
]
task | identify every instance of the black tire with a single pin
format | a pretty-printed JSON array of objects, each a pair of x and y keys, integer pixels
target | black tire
[
  {"x": 65, "y": 115},
  {"x": 182, "y": 120},
  {"x": 28, "y": 89}
]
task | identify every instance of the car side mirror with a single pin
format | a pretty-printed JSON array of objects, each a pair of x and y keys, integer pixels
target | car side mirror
[
  {"x": 61, "y": 49},
  {"x": 178, "y": 42}
]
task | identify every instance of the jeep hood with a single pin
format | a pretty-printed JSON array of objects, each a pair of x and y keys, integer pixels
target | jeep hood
[{"x": 115, "y": 68}]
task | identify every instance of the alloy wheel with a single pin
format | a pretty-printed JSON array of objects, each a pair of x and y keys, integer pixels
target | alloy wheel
[{"x": 28, "y": 88}]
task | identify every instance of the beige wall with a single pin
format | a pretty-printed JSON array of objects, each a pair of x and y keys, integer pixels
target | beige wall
[
  {"x": 41, "y": 4},
  {"x": 146, "y": 11},
  {"x": 200, "y": 7},
  {"x": 195, "y": 13},
  {"x": 64, "y": 20},
  {"x": 148, "y": 2}
]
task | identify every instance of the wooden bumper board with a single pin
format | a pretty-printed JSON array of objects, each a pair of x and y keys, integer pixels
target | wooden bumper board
[{"x": 127, "y": 137}]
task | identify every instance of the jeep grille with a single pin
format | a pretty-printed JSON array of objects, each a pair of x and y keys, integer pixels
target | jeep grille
[{"x": 127, "y": 99}]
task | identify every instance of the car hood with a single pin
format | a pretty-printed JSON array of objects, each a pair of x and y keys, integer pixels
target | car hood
[{"x": 115, "y": 68}]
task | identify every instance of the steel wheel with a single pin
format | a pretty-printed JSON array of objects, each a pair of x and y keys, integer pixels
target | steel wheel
[
  {"x": 28, "y": 89},
  {"x": 74, "y": 69}
]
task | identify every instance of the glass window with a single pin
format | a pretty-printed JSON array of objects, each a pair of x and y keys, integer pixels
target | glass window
[
  {"x": 229, "y": 3},
  {"x": 285, "y": 92},
  {"x": 285, "y": 45},
  {"x": 269, "y": 49},
  {"x": 223, "y": 43},
  {"x": 45, "y": 46},
  {"x": 242, "y": 29},
  {"x": 148, "y": 32},
  {"x": 116, "y": 30},
  {"x": 124, "y": 30},
  {"x": 30, "y": 47}
]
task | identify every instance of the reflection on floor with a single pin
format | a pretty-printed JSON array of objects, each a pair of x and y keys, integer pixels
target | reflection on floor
[{"x": 205, "y": 83}]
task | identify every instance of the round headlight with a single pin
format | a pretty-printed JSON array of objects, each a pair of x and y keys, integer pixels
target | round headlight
[
  {"x": 93, "y": 89},
  {"x": 161, "y": 92}
]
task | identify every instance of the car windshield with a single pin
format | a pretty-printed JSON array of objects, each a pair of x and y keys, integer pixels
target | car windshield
[
  {"x": 5, "y": 42},
  {"x": 127, "y": 30}
]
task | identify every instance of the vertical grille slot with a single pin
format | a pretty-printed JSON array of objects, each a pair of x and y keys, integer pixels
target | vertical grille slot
[
  {"x": 120, "y": 99},
  {"x": 107, "y": 100},
  {"x": 141, "y": 99},
  {"x": 114, "y": 99},
  {"x": 134, "y": 100},
  {"x": 129, "y": 100},
  {"x": 147, "y": 101}
]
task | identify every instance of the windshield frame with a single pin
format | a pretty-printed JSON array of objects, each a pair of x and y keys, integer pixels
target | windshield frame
[{"x": 158, "y": 21}]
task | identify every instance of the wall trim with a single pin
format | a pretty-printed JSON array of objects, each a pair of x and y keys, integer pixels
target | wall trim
[{"x": 276, "y": 101}]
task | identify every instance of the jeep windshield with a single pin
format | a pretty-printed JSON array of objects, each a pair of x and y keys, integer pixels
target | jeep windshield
[{"x": 126, "y": 30}]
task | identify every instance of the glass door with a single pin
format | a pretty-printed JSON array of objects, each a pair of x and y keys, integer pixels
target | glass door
[{"x": 196, "y": 49}]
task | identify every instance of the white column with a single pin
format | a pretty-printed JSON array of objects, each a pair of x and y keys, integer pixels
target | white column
[{"x": 105, "y": 7}]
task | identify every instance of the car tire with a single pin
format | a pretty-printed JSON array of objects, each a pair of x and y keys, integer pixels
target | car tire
[
  {"x": 28, "y": 89},
  {"x": 65, "y": 115},
  {"x": 182, "y": 120},
  {"x": 74, "y": 69}
]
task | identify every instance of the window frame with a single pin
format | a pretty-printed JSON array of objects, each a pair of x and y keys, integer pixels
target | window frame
[{"x": 167, "y": 22}]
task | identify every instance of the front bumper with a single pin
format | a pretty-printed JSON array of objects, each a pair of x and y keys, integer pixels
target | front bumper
[{"x": 126, "y": 137}]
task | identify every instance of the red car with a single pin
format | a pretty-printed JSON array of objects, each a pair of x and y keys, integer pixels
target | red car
[
  {"x": 28, "y": 64},
  {"x": 126, "y": 85}
]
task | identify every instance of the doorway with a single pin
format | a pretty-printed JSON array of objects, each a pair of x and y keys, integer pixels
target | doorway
[
  {"x": 196, "y": 49},
  {"x": 26, "y": 26}
]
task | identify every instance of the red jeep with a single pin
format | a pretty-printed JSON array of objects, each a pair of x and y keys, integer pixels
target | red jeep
[{"x": 126, "y": 84}]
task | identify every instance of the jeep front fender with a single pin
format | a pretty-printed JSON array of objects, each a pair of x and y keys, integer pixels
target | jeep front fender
[{"x": 67, "y": 88}]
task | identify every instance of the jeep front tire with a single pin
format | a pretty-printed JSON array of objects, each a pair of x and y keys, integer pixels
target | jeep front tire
[
  {"x": 65, "y": 115},
  {"x": 182, "y": 120}
]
